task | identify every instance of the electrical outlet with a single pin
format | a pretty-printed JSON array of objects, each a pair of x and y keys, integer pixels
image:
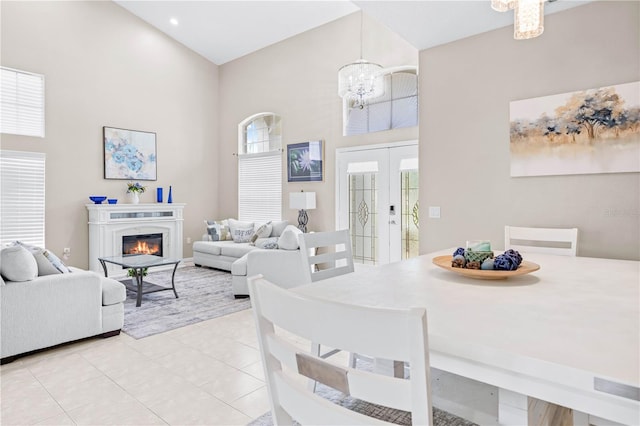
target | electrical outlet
[
  {"x": 188, "y": 240},
  {"x": 66, "y": 251}
]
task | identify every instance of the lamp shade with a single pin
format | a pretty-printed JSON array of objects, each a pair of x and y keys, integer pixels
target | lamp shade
[{"x": 302, "y": 200}]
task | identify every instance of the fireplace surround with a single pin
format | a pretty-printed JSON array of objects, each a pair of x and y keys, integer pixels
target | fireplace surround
[{"x": 110, "y": 225}]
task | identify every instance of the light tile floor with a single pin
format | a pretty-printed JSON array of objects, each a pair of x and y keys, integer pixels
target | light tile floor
[{"x": 207, "y": 373}]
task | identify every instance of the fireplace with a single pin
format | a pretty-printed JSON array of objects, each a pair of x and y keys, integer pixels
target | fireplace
[
  {"x": 142, "y": 244},
  {"x": 109, "y": 224}
]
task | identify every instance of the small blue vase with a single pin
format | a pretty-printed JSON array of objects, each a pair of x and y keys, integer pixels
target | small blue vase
[
  {"x": 170, "y": 198},
  {"x": 159, "y": 195}
]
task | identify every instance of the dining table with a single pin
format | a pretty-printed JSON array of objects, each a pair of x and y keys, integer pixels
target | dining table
[{"x": 567, "y": 333}]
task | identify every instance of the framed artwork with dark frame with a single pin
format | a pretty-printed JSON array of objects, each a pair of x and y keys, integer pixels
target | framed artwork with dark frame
[
  {"x": 129, "y": 154},
  {"x": 305, "y": 162}
]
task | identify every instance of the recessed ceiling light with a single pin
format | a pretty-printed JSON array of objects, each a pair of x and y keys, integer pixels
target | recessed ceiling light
[{"x": 173, "y": 21}]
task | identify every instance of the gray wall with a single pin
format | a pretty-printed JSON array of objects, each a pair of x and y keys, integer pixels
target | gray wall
[
  {"x": 465, "y": 90},
  {"x": 105, "y": 67}
]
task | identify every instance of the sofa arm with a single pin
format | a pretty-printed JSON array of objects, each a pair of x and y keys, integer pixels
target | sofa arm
[
  {"x": 282, "y": 267},
  {"x": 49, "y": 310}
]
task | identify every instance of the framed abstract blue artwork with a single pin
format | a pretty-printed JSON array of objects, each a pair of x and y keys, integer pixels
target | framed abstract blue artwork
[
  {"x": 129, "y": 154},
  {"x": 305, "y": 161}
]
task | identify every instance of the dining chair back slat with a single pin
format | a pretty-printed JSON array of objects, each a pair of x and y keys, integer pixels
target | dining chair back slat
[
  {"x": 560, "y": 241},
  {"x": 326, "y": 254}
]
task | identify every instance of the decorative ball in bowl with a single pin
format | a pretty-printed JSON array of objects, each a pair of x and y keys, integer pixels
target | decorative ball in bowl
[
  {"x": 98, "y": 199},
  {"x": 112, "y": 200}
]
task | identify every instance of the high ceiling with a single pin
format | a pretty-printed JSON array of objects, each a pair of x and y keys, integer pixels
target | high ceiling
[{"x": 222, "y": 31}]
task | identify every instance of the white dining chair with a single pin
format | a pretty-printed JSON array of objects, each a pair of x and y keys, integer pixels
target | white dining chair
[
  {"x": 561, "y": 241},
  {"x": 326, "y": 254},
  {"x": 399, "y": 334}
]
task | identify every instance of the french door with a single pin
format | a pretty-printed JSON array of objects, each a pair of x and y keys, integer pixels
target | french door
[{"x": 377, "y": 200}]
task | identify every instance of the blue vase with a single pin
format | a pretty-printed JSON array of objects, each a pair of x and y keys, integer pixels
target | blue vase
[
  {"x": 159, "y": 195},
  {"x": 170, "y": 198}
]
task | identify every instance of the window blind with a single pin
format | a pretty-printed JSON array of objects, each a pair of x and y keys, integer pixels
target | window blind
[
  {"x": 22, "y": 182},
  {"x": 21, "y": 103},
  {"x": 260, "y": 187}
]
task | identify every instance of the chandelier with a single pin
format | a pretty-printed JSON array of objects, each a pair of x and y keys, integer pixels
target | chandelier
[
  {"x": 529, "y": 16},
  {"x": 360, "y": 80}
]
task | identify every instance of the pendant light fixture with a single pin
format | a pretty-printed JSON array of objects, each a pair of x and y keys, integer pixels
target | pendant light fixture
[
  {"x": 528, "y": 16},
  {"x": 360, "y": 80}
]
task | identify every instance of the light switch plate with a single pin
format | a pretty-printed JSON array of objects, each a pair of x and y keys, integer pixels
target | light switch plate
[{"x": 434, "y": 212}]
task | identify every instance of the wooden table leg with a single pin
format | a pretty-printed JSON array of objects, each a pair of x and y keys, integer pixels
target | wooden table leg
[{"x": 542, "y": 413}]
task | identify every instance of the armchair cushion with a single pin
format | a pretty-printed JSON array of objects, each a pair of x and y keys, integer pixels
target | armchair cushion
[{"x": 113, "y": 292}]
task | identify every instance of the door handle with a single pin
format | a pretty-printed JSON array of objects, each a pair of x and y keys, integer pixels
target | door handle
[{"x": 392, "y": 222}]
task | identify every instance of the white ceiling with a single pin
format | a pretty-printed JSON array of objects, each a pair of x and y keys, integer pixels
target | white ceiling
[{"x": 222, "y": 31}]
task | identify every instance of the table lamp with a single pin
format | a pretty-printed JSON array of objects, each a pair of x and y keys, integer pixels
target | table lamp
[{"x": 302, "y": 201}]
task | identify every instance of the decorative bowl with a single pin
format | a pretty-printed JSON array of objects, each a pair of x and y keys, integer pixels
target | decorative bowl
[
  {"x": 112, "y": 200},
  {"x": 98, "y": 199},
  {"x": 524, "y": 268}
]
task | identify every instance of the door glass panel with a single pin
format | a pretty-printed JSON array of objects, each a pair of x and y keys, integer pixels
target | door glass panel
[
  {"x": 363, "y": 226},
  {"x": 410, "y": 223}
]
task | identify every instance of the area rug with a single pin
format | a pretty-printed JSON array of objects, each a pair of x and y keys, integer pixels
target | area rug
[
  {"x": 399, "y": 417},
  {"x": 391, "y": 415},
  {"x": 203, "y": 294}
]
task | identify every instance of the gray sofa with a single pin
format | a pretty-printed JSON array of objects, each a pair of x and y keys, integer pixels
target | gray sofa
[
  {"x": 59, "y": 308},
  {"x": 281, "y": 265}
]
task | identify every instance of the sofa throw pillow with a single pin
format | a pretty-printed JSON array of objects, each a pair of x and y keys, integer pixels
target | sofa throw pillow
[
  {"x": 56, "y": 262},
  {"x": 18, "y": 264},
  {"x": 224, "y": 230},
  {"x": 45, "y": 267},
  {"x": 277, "y": 227},
  {"x": 263, "y": 231},
  {"x": 241, "y": 232},
  {"x": 218, "y": 230},
  {"x": 289, "y": 238},
  {"x": 212, "y": 230},
  {"x": 267, "y": 243}
]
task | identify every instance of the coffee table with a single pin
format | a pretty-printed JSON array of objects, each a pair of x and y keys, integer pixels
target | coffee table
[{"x": 139, "y": 263}]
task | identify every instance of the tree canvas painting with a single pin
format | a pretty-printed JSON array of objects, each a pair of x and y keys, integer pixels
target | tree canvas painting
[{"x": 591, "y": 131}]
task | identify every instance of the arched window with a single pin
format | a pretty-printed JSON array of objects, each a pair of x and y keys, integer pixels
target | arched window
[
  {"x": 396, "y": 108},
  {"x": 260, "y": 168}
]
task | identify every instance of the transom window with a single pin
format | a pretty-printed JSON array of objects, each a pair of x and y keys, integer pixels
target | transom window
[
  {"x": 262, "y": 133},
  {"x": 21, "y": 102},
  {"x": 396, "y": 108}
]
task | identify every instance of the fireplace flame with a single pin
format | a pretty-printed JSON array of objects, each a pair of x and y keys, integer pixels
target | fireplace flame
[{"x": 142, "y": 247}]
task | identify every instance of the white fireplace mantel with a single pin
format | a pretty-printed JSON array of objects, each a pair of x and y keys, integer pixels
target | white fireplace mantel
[{"x": 108, "y": 223}]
